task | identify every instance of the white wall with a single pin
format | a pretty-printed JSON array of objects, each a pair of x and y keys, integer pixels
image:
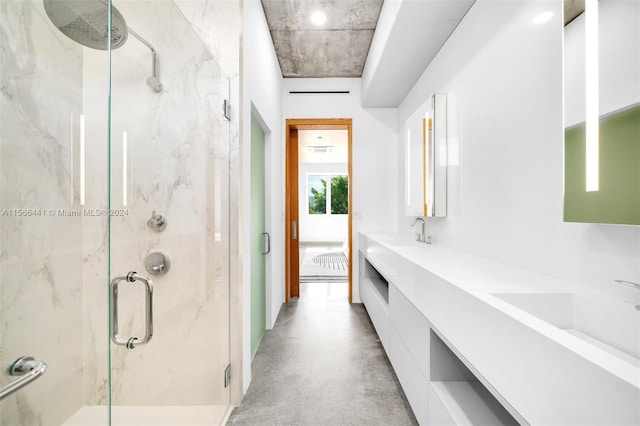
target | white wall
[
  {"x": 261, "y": 96},
  {"x": 503, "y": 77},
  {"x": 319, "y": 227},
  {"x": 374, "y": 150}
]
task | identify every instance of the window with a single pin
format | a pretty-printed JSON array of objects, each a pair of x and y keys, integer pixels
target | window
[
  {"x": 317, "y": 185},
  {"x": 333, "y": 199},
  {"x": 339, "y": 194}
]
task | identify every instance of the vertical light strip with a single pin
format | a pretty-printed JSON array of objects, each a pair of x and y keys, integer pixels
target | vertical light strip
[
  {"x": 71, "y": 176},
  {"x": 124, "y": 168},
  {"x": 429, "y": 161},
  {"x": 408, "y": 183},
  {"x": 82, "y": 187},
  {"x": 592, "y": 102}
]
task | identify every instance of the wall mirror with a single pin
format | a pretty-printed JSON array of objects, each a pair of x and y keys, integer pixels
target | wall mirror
[
  {"x": 414, "y": 162},
  {"x": 426, "y": 160},
  {"x": 602, "y": 111}
]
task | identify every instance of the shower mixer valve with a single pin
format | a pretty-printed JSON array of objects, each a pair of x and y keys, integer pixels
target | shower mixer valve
[{"x": 157, "y": 263}]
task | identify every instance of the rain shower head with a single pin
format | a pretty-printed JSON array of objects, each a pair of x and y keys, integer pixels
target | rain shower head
[{"x": 87, "y": 22}]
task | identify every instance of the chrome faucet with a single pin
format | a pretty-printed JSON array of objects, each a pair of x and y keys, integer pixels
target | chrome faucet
[
  {"x": 421, "y": 236},
  {"x": 630, "y": 284}
]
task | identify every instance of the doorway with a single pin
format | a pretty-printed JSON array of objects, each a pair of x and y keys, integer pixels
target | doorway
[{"x": 318, "y": 210}]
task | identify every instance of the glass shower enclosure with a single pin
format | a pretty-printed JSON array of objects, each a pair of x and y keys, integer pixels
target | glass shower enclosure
[{"x": 114, "y": 216}]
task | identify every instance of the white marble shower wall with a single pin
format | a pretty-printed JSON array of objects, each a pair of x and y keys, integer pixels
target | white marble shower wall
[
  {"x": 40, "y": 246},
  {"x": 54, "y": 267},
  {"x": 218, "y": 23},
  {"x": 176, "y": 163}
]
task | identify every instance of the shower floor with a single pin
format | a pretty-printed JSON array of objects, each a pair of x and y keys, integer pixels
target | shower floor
[{"x": 182, "y": 415}]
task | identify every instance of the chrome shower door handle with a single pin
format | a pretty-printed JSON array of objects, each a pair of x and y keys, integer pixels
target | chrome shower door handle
[
  {"x": 27, "y": 367},
  {"x": 132, "y": 342},
  {"x": 268, "y": 243}
]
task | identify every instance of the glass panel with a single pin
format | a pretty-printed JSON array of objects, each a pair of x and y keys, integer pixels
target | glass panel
[
  {"x": 258, "y": 243},
  {"x": 53, "y": 278},
  {"x": 169, "y": 195},
  {"x": 339, "y": 194},
  {"x": 317, "y": 192}
]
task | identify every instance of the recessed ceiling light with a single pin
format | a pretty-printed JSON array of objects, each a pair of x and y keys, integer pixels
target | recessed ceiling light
[
  {"x": 318, "y": 149},
  {"x": 318, "y": 18},
  {"x": 542, "y": 18}
]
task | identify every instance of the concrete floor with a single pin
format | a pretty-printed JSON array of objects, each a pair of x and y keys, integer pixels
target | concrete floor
[{"x": 322, "y": 364}]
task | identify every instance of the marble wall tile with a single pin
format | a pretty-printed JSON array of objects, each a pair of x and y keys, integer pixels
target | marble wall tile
[
  {"x": 40, "y": 254},
  {"x": 218, "y": 23}
]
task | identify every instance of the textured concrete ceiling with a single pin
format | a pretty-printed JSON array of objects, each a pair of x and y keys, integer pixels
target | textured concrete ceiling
[
  {"x": 338, "y": 48},
  {"x": 572, "y": 9}
]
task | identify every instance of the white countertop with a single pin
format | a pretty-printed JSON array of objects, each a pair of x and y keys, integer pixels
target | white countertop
[{"x": 481, "y": 277}]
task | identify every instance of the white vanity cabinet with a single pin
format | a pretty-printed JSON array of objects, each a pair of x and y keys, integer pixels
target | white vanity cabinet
[
  {"x": 439, "y": 387},
  {"x": 375, "y": 296},
  {"x": 465, "y": 354},
  {"x": 409, "y": 352}
]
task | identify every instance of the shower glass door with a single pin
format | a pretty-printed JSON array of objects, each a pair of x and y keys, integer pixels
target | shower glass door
[
  {"x": 53, "y": 274},
  {"x": 168, "y": 221}
]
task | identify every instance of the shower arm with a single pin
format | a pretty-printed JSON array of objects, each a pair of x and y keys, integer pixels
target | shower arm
[
  {"x": 154, "y": 57},
  {"x": 152, "y": 81}
]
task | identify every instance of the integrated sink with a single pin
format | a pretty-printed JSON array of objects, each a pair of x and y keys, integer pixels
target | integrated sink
[{"x": 614, "y": 327}]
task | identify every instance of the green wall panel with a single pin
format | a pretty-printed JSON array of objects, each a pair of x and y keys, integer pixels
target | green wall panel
[{"x": 618, "y": 199}]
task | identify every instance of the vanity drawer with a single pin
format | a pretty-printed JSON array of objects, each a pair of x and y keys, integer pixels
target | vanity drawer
[
  {"x": 377, "y": 310},
  {"x": 412, "y": 327},
  {"x": 414, "y": 384}
]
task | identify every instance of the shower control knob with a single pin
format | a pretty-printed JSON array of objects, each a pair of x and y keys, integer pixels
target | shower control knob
[{"x": 157, "y": 263}]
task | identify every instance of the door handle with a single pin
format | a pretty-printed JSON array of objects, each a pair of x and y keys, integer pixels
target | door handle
[
  {"x": 294, "y": 230},
  {"x": 268, "y": 241},
  {"x": 131, "y": 342},
  {"x": 27, "y": 367}
]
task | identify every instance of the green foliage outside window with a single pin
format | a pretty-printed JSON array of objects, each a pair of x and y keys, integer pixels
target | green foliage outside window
[
  {"x": 337, "y": 201},
  {"x": 318, "y": 199},
  {"x": 339, "y": 195}
]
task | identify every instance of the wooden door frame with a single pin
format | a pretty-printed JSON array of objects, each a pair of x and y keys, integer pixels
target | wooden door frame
[{"x": 291, "y": 194}]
